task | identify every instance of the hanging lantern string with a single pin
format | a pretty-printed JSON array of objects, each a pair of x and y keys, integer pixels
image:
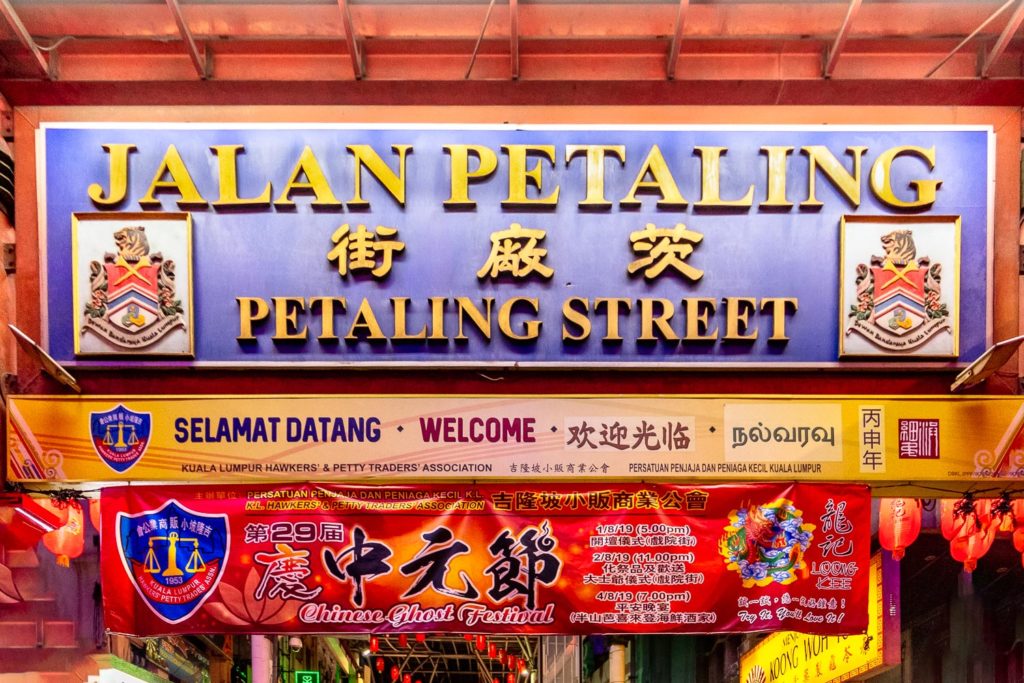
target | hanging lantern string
[
  {"x": 965, "y": 508},
  {"x": 60, "y": 496},
  {"x": 1004, "y": 506},
  {"x": 976, "y": 493}
]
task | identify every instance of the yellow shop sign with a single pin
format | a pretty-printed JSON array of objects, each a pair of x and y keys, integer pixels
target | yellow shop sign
[{"x": 789, "y": 657}]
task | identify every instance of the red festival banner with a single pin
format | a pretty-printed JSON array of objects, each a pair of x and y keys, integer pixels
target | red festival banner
[{"x": 543, "y": 559}]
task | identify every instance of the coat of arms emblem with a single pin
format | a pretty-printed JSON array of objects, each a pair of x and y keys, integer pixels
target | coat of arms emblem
[
  {"x": 132, "y": 300},
  {"x": 899, "y": 304},
  {"x": 174, "y": 557},
  {"x": 132, "y": 275}
]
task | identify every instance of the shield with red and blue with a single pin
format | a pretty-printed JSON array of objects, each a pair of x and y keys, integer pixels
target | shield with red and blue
[
  {"x": 174, "y": 557},
  {"x": 133, "y": 300},
  {"x": 899, "y": 305},
  {"x": 120, "y": 436}
]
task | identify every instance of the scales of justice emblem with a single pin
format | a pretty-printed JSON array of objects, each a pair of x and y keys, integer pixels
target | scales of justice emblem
[
  {"x": 174, "y": 556},
  {"x": 120, "y": 436}
]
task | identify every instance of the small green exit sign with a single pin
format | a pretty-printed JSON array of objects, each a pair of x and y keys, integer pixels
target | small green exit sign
[{"x": 307, "y": 677}]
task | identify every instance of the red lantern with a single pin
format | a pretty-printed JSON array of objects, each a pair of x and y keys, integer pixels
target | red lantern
[
  {"x": 57, "y": 508},
  {"x": 379, "y": 665},
  {"x": 1003, "y": 515},
  {"x": 68, "y": 541},
  {"x": 510, "y": 679},
  {"x": 1018, "y": 542},
  {"x": 494, "y": 679},
  {"x": 24, "y": 521},
  {"x": 94, "y": 513},
  {"x": 1018, "y": 539},
  {"x": 374, "y": 643},
  {"x": 968, "y": 526},
  {"x": 421, "y": 637},
  {"x": 970, "y": 548},
  {"x": 481, "y": 642},
  {"x": 468, "y": 636},
  {"x": 492, "y": 651},
  {"x": 899, "y": 523},
  {"x": 403, "y": 640},
  {"x": 406, "y": 678},
  {"x": 395, "y": 673},
  {"x": 961, "y": 518},
  {"x": 946, "y": 519},
  {"x": 522, "y": 665}
]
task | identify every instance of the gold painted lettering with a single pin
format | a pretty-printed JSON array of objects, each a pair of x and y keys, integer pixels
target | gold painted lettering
[
  {"x": 437, "y": 305},
  {"x": 520, "y": 177},
  {"x": 661, "y": 183},
  {"x": 650, "y": 319},
  {"x": 881, "y": 178},
  {"x": 482, "y": 321},
  {"x": 326, "y": 303},
  {"x": 778, "y": 157},
  {"x": 118, "y": 176},
  {"x": 698, "y": 310},
  {"x": 461, "y": 176},
  {"x": 777, "y": 306},
  {"x": 531, "y": 327},
  {"x": 286, "y": 314},
  {"x": 315, "y": 181},
  {"x": 365, "y": 321},
  {"x": 737, "y": 318},
  {"x": 711, "y": 180},
  {"x": 401, "y": 304},
  {"x": 571, "y": 315},
  {"x": 251, "y": 309},
  {"x": 595, "y": 156},
  {"x": 227, "y": 164},
  {"x": 180, "y": 182},
  {"x": 819, "y": 157},
  {"x": 611, "y": 306},
  {"x": 366, "y": 157}
]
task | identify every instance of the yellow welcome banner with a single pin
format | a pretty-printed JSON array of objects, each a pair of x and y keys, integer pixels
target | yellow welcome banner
[{"x": 345, "y": 438}]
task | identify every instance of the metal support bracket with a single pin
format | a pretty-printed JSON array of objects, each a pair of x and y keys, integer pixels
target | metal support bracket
[
  {"x": 1003, "y": 41},
  {"x": 831, "y": 57},
  {"x": 513, "y": 15},
  {"x": 355, "y": 48},
  {"x": 677, "y": 39},
  {"x": 201, "y": 62},
  {"x": 9, "y": 14}
]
